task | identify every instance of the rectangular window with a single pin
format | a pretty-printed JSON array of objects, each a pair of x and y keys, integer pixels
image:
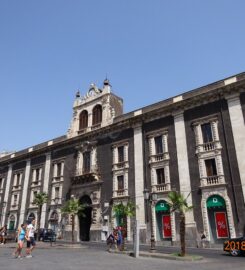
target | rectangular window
[
  {"x": 18, "y": 179},
  {"x": 160, "y": 176},
  {"x": 86, "y": 162},
  {"x": 211, "y": 167},
  {"x": 34, "y": 193},
  {"x": 57, "y": 192},
  {"x": 120, "y": 182},
  {"x": 1, "y": 183},
  {"x": 15, "y": 199},
  {"x": 207, "y": 133},
  {"x": 59, "y": 168},
  {"x": 120, "y": 154},
  {"x": 158, "y": 145},
  {"x": 37, "y": 174}
]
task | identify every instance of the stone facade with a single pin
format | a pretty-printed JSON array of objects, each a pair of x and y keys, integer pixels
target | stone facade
[{"x": 192, "y": 143}]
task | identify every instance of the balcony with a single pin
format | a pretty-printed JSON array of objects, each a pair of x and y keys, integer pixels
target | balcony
[
  {"x": 35, "y": 183},
  {"x": 213, "y": 181},
  {"x": 96, "y": 126},
  {"x": 14, "y": 206},
  {"x": 165, "y": 187},
  {"x": 207, "y": 147},
  {"x": 120, "y": 165},
  {"x": 57, "y": 179},
  {"x": 159, "y": 157},
  {"x": 86, "y": 175},
  {"x": 120, "y": 193},
  {"x": 16, "y": 187},
  {"x": 83, "y": 130}
]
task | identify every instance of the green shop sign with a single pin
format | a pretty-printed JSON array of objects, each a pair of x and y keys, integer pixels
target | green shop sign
[
  {"x": 215, "y": 201},
  {"x": 162, "y": 206}
]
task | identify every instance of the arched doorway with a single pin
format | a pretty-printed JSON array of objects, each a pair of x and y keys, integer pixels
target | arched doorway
[
  {"x": 11, "y": 226},
  {"x": 53, "y": 221},
  {"x": 163, "y": 221},
  {"x": 86, "y": 220},
  {"x": 217, "y": 216}
]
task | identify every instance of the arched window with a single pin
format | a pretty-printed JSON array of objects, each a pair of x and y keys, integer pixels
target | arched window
[
  {"x": 97, "y": 114},
  {"x": 83, "y": 120}
]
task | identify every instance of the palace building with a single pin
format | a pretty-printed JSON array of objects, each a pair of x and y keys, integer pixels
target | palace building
[{"x": 192, "y": 143}]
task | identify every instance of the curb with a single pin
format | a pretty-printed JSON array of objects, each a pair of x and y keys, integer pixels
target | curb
[{"x": 188, "y": 258}]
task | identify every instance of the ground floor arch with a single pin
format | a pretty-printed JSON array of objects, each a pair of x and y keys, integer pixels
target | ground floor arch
[
  {"x": 218, "y": 222},
  {"x": 12, "y": 222},
  {"x": 54, "y": 221},
  {"x": 217, "y": 216},
  {"x": 163, "y": 221},
  {"x": 85, "y": 220}
]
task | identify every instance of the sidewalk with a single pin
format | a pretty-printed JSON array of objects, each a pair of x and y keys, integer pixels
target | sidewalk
[{"x": 47, "y": 245}]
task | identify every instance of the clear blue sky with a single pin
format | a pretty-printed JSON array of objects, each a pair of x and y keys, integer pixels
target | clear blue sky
[{"x": 149, "y": 49}]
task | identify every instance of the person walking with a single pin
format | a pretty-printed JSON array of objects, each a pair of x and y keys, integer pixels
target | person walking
[
  {"x": 3, "y": 233},
  {"x": 21, "y": 239},
  {"x": 31, "y": 243},
  {"x": 110, "y": 241},
  {"x": 119, "y": 238}
]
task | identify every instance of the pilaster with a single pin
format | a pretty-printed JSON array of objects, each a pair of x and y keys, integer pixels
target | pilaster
[
  {"x": 24, "y": 193},
  {"x": 45, "y": 187},
  {"x": 238, "y": 130},
  {"x": 139, "y": 175},
  {"x": 183, "y": 164},
  {"x": 7, "y": 196}
]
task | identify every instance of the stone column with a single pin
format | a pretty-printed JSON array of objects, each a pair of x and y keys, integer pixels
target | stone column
[
  {"x": 139, "y": 176},
  {"x": 238, "y": 130},
  {"x": 183, "y": 165},
  {"x": 7, "y": 194},
  {"x": 45, "y": 187},
  {"x": 24, "y": 193}
]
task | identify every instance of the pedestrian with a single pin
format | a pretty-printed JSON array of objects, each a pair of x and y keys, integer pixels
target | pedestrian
[
  {"x": 31, "y": 243},
  {"x": 119, "y": 238},
  {"x": 203, "y": 239},
  {"x": 115, "y": 237},
  {"x": 20, "y": 239},
  {"x": 3, "y": 233},
  {"x": 110, "y": 241}
]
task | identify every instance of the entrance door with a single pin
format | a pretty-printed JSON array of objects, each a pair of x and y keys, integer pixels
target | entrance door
[
  {"x": 85, "y": 221},
  {"x": 163, "y": 221},
  {"x": 166, "y": 225},
  {"x": 217, "y": 219},
  {"x": 221, "y": 225}
]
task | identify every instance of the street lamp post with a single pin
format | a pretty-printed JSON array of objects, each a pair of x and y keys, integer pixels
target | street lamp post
[{"x": 152, "y": 198}]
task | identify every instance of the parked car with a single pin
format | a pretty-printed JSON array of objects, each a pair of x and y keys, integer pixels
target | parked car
[
  {"x": 235, "y": 246},
  {"x": 46, "y": 235}
]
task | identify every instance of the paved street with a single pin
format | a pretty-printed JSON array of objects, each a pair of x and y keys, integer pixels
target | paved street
[{"x": 88, "y": 257}]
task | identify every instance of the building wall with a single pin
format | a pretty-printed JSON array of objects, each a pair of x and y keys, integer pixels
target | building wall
[{"x": 123, "y": 130}]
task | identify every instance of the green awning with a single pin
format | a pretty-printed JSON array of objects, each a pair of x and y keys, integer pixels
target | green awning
[
  {"x": 215, "y": 201},
  {"x": 162, "y": 206}
]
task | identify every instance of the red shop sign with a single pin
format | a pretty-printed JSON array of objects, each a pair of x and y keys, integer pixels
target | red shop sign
[
  {"x": 166, "y": 225},
  {"x": 221, "y": 225}
]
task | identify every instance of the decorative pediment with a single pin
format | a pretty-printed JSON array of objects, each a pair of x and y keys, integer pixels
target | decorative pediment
[{"x": 92, "y": 92}]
